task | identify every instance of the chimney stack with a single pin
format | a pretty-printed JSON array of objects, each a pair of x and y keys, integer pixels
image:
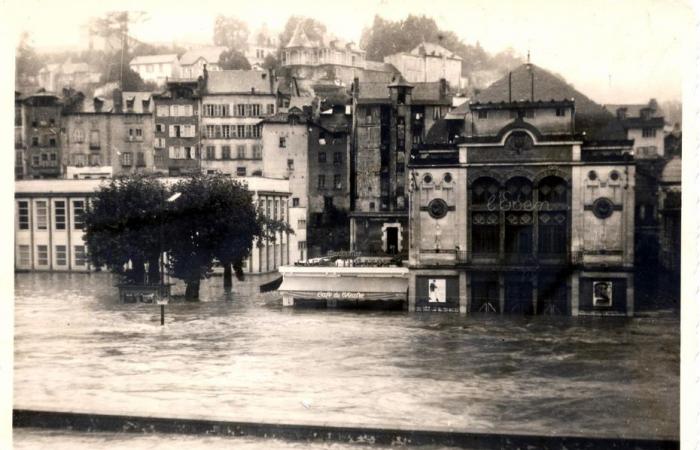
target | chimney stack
[{"x": 117, "y": 100}]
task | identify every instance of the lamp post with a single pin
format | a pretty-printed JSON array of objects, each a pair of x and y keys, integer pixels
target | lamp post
[{"x": 162, "y": 299}]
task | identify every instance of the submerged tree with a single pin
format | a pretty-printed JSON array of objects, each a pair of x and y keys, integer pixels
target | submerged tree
[
  {"x": 214, "y": 218},
  {"x": 123, "y": 227}
]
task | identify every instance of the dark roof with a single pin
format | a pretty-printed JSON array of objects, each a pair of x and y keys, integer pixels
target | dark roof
[
  {"x": 239, "y": 82},
  {"x": 429, "y": 94},
  {"x": 370, "y": 92},
  {"x": 638, "y": 122},
  {"x": 283, "y": 117},
  {"x": 591, "y": 118}
]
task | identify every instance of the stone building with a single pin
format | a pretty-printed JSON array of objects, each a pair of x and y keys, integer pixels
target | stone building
[
  {"x": 387, "y": 120},
  {"x": 234, "y": 102},
  {"x": 193, "y": 62},
  {"x": 19, "y": 143},
  {"x": 41, "y": 134},
  {"x": 176, "y": 128},
  {"x": 104, "y": 137},
  {"x": 524, "y": 205},
  {"x": 79, "y": 76},
  {"x": 156, "y": 68},
  {"x": 428, "y": 62}
]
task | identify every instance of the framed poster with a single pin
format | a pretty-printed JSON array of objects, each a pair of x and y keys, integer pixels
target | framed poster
[
  {"x": 437, "y": 291},
  {"x": 602, "y": 293}
]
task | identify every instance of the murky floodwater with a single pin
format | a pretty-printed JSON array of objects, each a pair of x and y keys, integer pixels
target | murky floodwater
[{"x": 77, "y": 348}]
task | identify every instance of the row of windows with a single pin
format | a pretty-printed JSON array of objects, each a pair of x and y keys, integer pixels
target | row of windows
[
  {"x": 46, "y": 141},
  {"x": 177, "y": 130},
  {"x": 270, "y": 208},
  {"x": 42, "y": 214},
  {"x": 61, "y": 253},
  {"x": 45, "y": 160},
  {"x": 529, "y": 113},
  {"x": 337, "y": 182},
  {"x": 337, "y": 157},
  {"x": 648, "y": 132},
  {"x": 241, "y": 152},
  {"x": 174, "y": 110},
  {"x": 233, "y": 131},
  {"x": 238, "y": 110},
  {"x": 183, "y": 152}
]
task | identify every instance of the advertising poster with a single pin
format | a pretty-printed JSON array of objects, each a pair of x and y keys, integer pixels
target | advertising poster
[
  {"x": 602, "y": 293},
  {"x": 437, "y": 292}
]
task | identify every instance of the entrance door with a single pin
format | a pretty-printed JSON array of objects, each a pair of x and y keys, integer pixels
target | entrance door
[
  {"x": 518, "y": 297},
  {"x": 392, "y": 240}
]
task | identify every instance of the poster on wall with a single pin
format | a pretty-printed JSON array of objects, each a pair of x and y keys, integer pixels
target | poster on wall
[
  {"x": 437, "y": 292},
  {"x": 602, "y": 293}
]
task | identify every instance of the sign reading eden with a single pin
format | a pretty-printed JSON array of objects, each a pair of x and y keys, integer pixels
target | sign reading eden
[
  {"x": 353, "y": 295},
  {"x": 602, "y": 293},
  {"x": 504, "y": 202},
  {"x": 437, "y": 292}
]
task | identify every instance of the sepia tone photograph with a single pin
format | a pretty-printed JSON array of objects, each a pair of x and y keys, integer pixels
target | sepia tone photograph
[{"x": 379, "y": 224}]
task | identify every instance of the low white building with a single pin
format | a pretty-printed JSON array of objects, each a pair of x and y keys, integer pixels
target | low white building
[
  {"x": 156, "y": 68},
  {"x": 49, "y": 224},
  {"x": 193, "y": 62},
  {"x": 428, "y": 62}
]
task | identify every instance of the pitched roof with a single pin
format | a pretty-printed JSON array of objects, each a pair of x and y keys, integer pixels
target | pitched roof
[
  {"x": 300, "y": 38},
  {"x": 370, "y": 92},
  {"x": 138, "y": 98},
  {"x": 429, "y": 93},
  {"x": 154, "y": 59},
  {"x": 591, "y": 118},
  {"x": 430, "y": 49},
  {"x": 210, "y": 55},
  {"x": 239, "y": 82}
]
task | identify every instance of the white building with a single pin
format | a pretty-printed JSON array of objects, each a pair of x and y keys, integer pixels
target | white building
[
  {"x": 49, "y": 224},
  {"x": 644, "y": 123},
  {"x": 156, "y": 68},
  {"x": 192, "y": 63},
  {"x": 428, "y": 62}
]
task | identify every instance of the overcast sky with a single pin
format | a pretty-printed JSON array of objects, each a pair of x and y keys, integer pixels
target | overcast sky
[{"x": 614, "y": 51}]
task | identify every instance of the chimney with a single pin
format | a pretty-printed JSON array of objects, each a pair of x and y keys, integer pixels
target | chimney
[
  {"x": 356, "y": 87},
  {"x": 117, "y": 100},
  {"x": 443, "y": 88}
]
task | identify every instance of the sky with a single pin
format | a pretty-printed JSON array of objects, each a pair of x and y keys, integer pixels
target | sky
[{"x": 623, "y": 51}]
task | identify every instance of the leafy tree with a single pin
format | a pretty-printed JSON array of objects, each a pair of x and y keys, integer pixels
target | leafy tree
[
  {"x": 213, "y": 219},
  {"x": 27, "y": 60},
  {"x": 231, "y": 32},
  {"x": 271, "y": 63},
  {"x": 313, "y": 28},
  {"x": 233, "y": 60},
  {"x": 124, "y": 225},
  {"x": 129, "y": 79}
]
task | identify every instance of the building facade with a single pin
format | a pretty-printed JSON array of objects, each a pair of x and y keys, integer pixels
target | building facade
[
  {"x": 302, "y": 50},
  {"x": 156, "y": 68},
  {"x": 234, "y": 102},
  {"x": 522, "y": 213},
  {"x": 428, "y": 62},
  {"x": 193, "y": 62},
  {"x": 49, "y": 226},
  {"x": 176, "y": 139},
  {"x": 41, "y": 122}
]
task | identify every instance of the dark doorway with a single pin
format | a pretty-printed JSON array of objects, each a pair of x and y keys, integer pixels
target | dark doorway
[
  {"x": 518, "y": 297},
  {"x": 484, "y": 296},
  {"x": 392, "y": 240}
]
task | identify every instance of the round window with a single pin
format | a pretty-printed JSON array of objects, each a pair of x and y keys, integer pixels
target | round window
[
  {"x": 614, "y": 175},
  {"x": 447, "y": 178},
  {"x": 592, "y": 175},
  {"x": 603, "y": 208},
  {"x": 437, "y": 208},
  {"x": 427, "y": 178}
]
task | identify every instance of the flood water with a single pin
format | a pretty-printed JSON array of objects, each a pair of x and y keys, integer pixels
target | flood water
[{"x": 244, "y": 357}]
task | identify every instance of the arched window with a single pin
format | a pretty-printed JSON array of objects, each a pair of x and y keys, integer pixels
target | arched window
[
  {"x": 485, "y": 220},
  {"x": 553, "y": 219},
  {"x": 518, "y": 216}
]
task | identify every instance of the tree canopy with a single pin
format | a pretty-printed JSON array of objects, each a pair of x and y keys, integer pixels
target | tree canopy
[
  {"x": 386, "y": 37},
  {"x": 231, "y": 32},
  {"x": 27, "y": 60},
  {"x": 233, "y": 60}
]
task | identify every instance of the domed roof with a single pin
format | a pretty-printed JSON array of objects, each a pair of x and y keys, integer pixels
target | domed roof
[{"x": 672, "y": 171}]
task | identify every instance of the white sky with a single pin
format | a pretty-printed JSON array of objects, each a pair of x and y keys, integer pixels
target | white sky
[{"x": 614, "y": 51}]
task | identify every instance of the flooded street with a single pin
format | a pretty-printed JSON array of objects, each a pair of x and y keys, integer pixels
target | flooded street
[{"x": 246, "y": 358}]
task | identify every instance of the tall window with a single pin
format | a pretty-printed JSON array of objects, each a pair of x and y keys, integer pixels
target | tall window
[
  {"x": 485, "y": 217},
  {"x": 61, "y": 259},
  {"x": 337, "y": 158},
  {"x": 42, "y": 255},
  {"x": 240, "y": 171},
  {"x": 257, "y": 151},
  {"x": 95, "y": 139},
  {"x": 240, "y": 152},
  {"x": 23, "y": 215},
  {"x": 24, "y": 255},
  {"x": 518, "y": 223},
  {"x": 80, "y": 255},
  {"x": 211, "y": 152},
  {"x": 225, "y": 152},
  {"x": 337, "y": 184},
  {"x": 59, "y": 209},
  {"x": 552, "y": 226},
  {"x": 322, "y": 157},
  {"x": 41, "y": 215},
  {"x": 648, "y": 132},
  {"x": 78, "y": 211},
  {"x": 321, "y": 181}
]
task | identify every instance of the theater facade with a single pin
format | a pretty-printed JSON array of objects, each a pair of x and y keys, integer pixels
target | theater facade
[{"x": 522, "y": 204}]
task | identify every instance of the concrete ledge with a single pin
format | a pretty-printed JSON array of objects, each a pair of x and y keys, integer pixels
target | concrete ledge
[{"x": 84, "y": 422}]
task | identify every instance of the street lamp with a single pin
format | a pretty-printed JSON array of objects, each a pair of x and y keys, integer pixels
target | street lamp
[{"x": 163, "y": 300}]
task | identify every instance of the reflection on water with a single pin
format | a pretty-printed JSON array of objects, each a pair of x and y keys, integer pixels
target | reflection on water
[{"x": 247, "y": 358}]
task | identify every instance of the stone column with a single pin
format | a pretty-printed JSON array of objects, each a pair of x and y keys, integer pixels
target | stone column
[
  {"x": 501, "y": 291},
  {"x": 630, "y": 294},
  {"x": 411, "y": 291},
  {"x": 574, "y": 290},
  {"x": 463, "y": 293}
]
